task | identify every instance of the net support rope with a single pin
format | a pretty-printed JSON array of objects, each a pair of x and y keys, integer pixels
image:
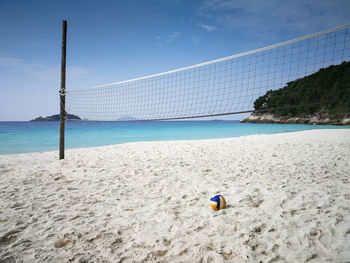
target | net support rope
[{"x": 220, "y": 87}]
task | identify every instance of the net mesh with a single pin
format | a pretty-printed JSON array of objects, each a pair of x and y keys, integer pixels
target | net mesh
[{"x": 221, "y": 87}]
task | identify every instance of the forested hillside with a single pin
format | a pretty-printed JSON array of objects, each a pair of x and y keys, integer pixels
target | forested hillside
[{"x": 325, "y": 94}]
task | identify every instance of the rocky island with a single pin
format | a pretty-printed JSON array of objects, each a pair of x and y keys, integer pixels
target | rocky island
[
  {"x": 56, "y": 117},
  {"x": 320, "y": 98}
]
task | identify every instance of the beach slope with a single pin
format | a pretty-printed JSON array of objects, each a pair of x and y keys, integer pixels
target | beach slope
[{"x": 288, "y": 199}]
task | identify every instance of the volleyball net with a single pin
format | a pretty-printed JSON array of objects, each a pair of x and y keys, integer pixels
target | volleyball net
[{"x": 224, "y": 86}]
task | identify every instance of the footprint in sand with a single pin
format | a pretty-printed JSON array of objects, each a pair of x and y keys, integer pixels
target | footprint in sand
[
  {"x": 10, "y": 237},
  {"x": 61, "y": 243},
  {"x": 17, "y": 206},
  {"x": 252, "y": 201}
]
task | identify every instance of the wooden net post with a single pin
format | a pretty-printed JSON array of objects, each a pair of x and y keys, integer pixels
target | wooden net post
[{"x": 63, "y": 89}]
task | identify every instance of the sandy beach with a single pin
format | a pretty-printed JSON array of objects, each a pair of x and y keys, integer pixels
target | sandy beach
[{"x": 288, "y": 199}]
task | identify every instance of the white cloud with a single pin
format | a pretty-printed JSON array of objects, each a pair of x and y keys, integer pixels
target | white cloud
[
  {"x": 196, "y": 39},
  {"x": 298, "y": 16},
  {"x": 208, "y": 28},
  {"x": 75, "y": 72},
  {"x": 168, "y": 38},
  {"x": 172, "y": 37},
  {"x": 10, "y": 62},
  {"x": 40, "y": 69}
]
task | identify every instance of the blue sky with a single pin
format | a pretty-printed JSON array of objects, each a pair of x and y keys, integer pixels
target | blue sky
[{"x": 112, "y": 41}]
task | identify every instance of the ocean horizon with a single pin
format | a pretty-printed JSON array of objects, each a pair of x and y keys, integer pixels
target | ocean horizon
[{"x": 27, "y": 137}]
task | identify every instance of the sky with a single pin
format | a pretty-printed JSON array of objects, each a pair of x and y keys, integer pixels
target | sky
[{"x": 111, "y": 41}]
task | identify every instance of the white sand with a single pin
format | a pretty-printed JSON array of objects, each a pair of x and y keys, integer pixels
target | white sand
[{"x": 288, "y": 197}]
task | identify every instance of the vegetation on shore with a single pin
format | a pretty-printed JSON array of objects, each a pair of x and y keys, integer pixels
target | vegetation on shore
[
  {"x": 56, "y": 117},
  {"x": 325, "y": 94}
]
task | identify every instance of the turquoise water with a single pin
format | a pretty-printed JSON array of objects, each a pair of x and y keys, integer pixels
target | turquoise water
[{"x": 25, "y": 137}]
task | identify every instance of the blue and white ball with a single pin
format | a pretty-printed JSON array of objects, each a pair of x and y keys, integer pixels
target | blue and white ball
[{"x": 218, "y": 202}]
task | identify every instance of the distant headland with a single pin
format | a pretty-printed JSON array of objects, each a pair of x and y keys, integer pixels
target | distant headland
[
  {"x": 56, "y": 117},
  {"x": 320, "y": 98}
]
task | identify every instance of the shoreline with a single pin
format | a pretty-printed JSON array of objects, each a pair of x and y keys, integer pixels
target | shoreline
[
  {"x": 270, "y": 118},
  {"x": 340, "y": 127},
  {"x": 287, "y": 194},
  {"x": 43, "y": 138}
]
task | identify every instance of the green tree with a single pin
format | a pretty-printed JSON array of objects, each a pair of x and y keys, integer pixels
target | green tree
[{"x": 326, "y": 93}]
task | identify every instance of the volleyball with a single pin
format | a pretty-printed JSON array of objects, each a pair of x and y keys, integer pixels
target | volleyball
[{"x": 218, "y": 202}]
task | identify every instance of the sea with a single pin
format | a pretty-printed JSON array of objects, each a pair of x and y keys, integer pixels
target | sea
[{"x": 28, "y": 137}]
